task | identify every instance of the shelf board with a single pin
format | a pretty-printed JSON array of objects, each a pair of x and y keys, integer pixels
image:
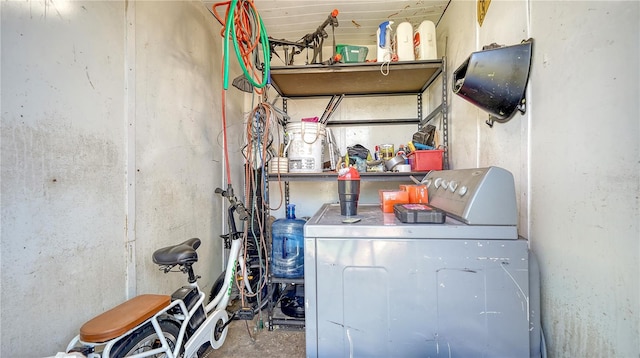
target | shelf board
[
  {"x": 409, "y": 77},
  {"x": 370, "y": 122},
  {"x": 387, "y": 176},
  {"x": 297, "y": 281}
]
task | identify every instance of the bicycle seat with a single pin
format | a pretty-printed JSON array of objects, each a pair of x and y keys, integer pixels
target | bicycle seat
[
  {"x": 122, "y": 318},
  {"x": 184, "y": 253}
]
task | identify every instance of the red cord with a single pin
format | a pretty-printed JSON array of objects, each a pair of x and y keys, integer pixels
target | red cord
[{"x": 225, "y": 143}]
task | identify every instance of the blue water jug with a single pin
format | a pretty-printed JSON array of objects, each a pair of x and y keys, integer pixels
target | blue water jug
[{"x": 287, "y": 249}]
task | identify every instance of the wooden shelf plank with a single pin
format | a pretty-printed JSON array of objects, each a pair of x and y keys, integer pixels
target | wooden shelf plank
[
  {"x": 327, "y": 176},
  {"x": 355, "y": 78}
]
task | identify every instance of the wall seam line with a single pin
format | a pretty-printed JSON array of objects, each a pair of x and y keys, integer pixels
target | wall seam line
[{"x": 130, "y": 145}]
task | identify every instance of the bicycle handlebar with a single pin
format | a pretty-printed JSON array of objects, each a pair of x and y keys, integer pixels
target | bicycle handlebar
[{"x": 235, "y": 205}]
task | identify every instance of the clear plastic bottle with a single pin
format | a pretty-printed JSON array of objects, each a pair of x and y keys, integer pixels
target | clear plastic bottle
[{"x": 287, "y": 249}]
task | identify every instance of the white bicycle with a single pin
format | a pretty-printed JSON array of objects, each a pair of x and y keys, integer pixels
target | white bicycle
[{"x": 180, "y": 325}]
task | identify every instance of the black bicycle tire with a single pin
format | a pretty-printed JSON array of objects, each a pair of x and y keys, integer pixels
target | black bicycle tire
[{"x": 170, "y": 329}]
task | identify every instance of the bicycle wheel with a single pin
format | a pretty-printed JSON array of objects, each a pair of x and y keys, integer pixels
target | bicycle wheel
[{"x": 146, "y": 339}]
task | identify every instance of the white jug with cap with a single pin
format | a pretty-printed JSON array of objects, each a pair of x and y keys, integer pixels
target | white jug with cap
[
  {"x": 424, "y": 41},
  {"x": 404, "y": 42}
]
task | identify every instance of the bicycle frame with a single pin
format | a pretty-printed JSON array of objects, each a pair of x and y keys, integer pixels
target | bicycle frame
[
  {"x": 205, "y": 332},
  {"x": 215, "y": 311}
]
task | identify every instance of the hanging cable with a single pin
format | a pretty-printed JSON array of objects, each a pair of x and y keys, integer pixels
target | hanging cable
[
  {"x": 242, "y": 21},
  {"x": 225, "y": 142},
  {"x": 260, "y": 144},
  {"x": 244, "y": 27},
  {"x": 257, "y": 152}
]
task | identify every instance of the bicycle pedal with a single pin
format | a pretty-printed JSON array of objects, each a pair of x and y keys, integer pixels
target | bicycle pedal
[{"x": 245, "y": 314}]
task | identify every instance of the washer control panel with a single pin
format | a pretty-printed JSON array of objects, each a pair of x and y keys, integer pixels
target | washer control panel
[{"x": 478, "y": 196}]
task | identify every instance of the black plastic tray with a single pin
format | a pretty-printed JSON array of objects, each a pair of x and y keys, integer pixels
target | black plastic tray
[{"x": 419, "y": 214}]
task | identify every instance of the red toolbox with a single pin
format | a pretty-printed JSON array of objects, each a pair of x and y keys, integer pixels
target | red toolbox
[{"x": 422, "y": 160}]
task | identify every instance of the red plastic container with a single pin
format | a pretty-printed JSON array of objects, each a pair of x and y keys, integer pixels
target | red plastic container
[
  {"x": 418, "y": 194},
  {"x": 422, "y": 160},
  {"x": 388, "y": 198}
]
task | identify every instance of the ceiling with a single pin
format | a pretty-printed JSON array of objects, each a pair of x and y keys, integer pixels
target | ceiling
[{"x": 358, "y": 20}]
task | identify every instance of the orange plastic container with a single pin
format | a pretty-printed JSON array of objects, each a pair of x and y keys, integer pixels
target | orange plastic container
[
  {"x": 388, "y": 198},
  {"x": 422, "y": 160},
  {"x": 418, "y": 194}
]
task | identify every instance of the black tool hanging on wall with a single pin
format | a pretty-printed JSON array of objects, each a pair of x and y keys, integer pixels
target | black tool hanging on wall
[{"x": 495, "y": 79}]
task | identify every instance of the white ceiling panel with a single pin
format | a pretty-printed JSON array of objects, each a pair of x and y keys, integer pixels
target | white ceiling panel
[{"x": 358, "y": 20}]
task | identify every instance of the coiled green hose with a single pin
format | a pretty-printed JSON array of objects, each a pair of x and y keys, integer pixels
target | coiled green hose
[{"x": 230, "y": 29}]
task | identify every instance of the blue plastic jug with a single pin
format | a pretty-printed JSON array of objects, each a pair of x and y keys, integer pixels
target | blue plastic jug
[{"x": 287, "y": 249}]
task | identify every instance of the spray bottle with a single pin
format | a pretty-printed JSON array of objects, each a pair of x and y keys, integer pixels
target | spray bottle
[{"x": 383, "y": 37}]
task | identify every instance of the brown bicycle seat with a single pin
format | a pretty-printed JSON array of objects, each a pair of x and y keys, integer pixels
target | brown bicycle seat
[{"x": 122, "y": 318}]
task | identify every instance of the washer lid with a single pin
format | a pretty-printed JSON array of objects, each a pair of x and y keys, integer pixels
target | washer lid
[{"x": 328, "y": 223}]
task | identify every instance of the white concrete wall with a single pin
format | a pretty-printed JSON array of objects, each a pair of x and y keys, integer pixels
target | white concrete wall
[
  {"x": 472, "y": 142},
  {"x": 585, "y": 175},
  {"x": 111, "y": 148},
  {"x": 63, "y": 159},
  {"x": 574, "y": 155}
]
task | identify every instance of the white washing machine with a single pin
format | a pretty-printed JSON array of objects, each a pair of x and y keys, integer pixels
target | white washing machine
[{"x": 465, "y": 288}]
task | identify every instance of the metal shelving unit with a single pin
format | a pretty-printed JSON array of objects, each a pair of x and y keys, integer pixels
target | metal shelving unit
[
  {"x": 368, "y": 79},
  {"x": 351, "y": 80},
  {"x": 275, "y": 316}
]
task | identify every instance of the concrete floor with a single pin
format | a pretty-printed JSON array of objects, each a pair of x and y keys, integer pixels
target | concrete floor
[{"x": 245, "y": 341}]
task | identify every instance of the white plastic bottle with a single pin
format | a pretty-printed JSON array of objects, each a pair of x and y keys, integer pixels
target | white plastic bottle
[
  {"x": 404, "y": 42},
  {"x": 383, "y": 39},
  {"x": 424, "y": 41}
]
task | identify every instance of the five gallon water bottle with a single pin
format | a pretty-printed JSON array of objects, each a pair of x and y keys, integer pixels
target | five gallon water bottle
[{"x": 287, "y": 249}]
